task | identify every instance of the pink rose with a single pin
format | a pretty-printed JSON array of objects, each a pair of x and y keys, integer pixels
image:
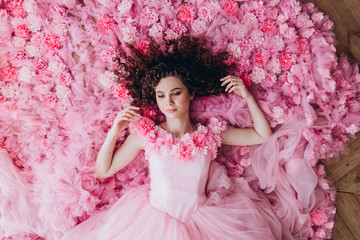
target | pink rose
[
  {"x": 22, "y": 30},
  {"x": 178, "y": 27},
  {"x": 105, "y": 24},
  {"x": 52, "y": 42},
  {"x": 318, "y": 218},
  {"x": 186, "y": 13},
  {"x": 142, "y": 125},
  {"x": 230, "y": 7},
  {"x": 130, "y": 33}
]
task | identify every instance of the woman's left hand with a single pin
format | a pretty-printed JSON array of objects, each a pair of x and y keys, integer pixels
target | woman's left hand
[{"x": 236, "y": 85}]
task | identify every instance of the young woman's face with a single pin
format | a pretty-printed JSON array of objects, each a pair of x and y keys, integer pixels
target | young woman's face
[{"x": 172, "y": 97}]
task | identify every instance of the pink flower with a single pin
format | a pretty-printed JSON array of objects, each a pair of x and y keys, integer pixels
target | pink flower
[
  {"x": 302, "y": 44},
  {"x": 142, "y": 125},
  {"x": 317, "y": 17},
  {"x": 352, "y": 129},
  {"x": 22, "y": 30},
  {"x": 143, "y": 47},
  {"x": 245, "y": 162},
  {"x": 246, "y": 79},
  {"x": 285, "y": 61},
  {"x": 186, "y": 152},
  {"x": 328, "y": 25},
  {"x": 130, "y": 33},
  {"x": 148, "y": 17},
  {"x": 246, "y": 46},
  {"x": 52, "y": 42},
  {"x": 260, "y": 59},
  {"x": 198, "y": 26},
  {"x": 178, "y": 27},
  {"x": 268, "y": 26},
  {"x": 150, "y": 113},
  {"x": 16, "y": 8},
  {"x": 105, "y": 24},
  {"x": 257, "y": 75},
  {"x": 121, "y": 92},
  {"x": 230, "y": 7},
  {"x": 206, "y": 14},
  {"x": 108, "y": 54},
  {"x": 239, "y": 169},
  {"x": 186, "y": 13},
  {"x": 318, "y": 218},
  {"x": 156, "y": 31},
  {"x": 9, "y": 74}
]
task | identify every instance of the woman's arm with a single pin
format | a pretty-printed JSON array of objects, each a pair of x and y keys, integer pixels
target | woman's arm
[
  {"x": 108, "y": 162},
  {"x": 246, "y": 136}
]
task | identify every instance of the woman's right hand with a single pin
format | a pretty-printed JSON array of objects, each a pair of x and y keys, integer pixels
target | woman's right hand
[{"x": 123, "y": 118}]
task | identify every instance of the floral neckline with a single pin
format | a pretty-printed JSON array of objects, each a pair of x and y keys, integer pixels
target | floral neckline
[{"x": 204, "y": 140}]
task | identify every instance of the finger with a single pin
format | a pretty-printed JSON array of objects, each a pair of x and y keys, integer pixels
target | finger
[
  {"x": 132, "y": 112},
  {"x": 233, "y": 89},
  {"x": 227, "y": 77},
  {"x": 225, "y": 82},
  {"x": 230, "y": 85},
  {"x": 125, "y": 115}
]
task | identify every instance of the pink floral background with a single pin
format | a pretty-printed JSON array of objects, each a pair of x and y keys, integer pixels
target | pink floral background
[{"x": 58, "y": 97}]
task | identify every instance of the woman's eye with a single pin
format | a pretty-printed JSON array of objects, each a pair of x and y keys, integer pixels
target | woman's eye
[
  {"x": 160, "y": 96},
  {"x": 177, "y": 93}
]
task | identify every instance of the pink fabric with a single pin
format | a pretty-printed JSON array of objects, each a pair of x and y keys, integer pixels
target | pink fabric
[{"x": 55, "y": 112}]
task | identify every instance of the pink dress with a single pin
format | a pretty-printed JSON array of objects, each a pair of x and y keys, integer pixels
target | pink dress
[{"x": 190, "y": 196}]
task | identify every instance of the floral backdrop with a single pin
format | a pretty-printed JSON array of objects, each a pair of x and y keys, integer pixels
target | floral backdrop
[{"x": 59, "y": 96}]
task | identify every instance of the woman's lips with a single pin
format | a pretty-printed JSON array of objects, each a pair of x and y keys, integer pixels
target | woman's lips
[{"x": 171, "y": 110}]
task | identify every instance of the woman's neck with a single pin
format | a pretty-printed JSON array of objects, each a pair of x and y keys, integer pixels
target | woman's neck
[{"x": 179, "y": 126}]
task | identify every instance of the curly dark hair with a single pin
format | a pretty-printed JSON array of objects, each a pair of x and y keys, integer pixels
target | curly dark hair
[{"x": 187, "y": 58}]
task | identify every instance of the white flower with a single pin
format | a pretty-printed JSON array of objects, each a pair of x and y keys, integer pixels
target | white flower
[
  {"x": 26, "y": 74},
  {"x": 10, "y": 90},
  {"x": 56, "y": 66},
  {"x": 257, "y": 75},
  {"x": 130, "y": 33},
  {"x": 234, "y": 50},
  {"x": 32, "y": 50},
  {"x": 125, "y": 6},
  {"x": 107, "y": 79},
  {"x": 60, "y": 28},
  {"x": 19, "y": 42},
  {"x": 62, "y": 92},
  {"x": 33, "y": 22},
  {"x": 156, "y": 30}
]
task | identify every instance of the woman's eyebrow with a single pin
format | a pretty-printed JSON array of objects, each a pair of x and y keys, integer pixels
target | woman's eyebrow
[{"x": 170, "y": 91}]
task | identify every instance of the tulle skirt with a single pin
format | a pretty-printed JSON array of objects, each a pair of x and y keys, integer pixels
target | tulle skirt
[{"x": 233, "y": 210}]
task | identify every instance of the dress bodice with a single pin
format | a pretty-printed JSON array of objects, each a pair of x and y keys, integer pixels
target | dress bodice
[{"x": 179, "y": 166}]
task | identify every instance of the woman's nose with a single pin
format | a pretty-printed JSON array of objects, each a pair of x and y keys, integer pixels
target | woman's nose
[{"x": 169, "y": 100}]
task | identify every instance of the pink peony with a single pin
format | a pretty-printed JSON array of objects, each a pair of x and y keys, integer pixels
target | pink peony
[
  {"x": 245, "y": 162},
  {"x": 268, "y": 26},
  {"x": 285, "y": 61},
  {"x": 9, "y": 74},
  {"x": 230, "y": 7},
  {"x": 206, "y": 14},
  {"x": 22, "y": 30},
  {"x": 239, "y": 169},
  {"x": 148, "y": 17},
  {"x": 260, "y": 59},
  {"x": 16, "y": 8},
  {"x": 328, "y": 25},
  {"x": 303, "y": 44},
  {"x": 318, "y": 218},
  {"x": 178, "y": 27},
  {"x": 186, "y": 13},
  {"x": 143, "y": 47},
  {"x": 52, "y": 42},
  {"x": 198, "y": 26},
  {"x": 130, "y": 33},
  {"x": 108, "y": 54},
  {"x": 121, "y": 92},
  {"x": 156, "y": 31},
  {"x": 105, "y": 24},
  {"x": 257, "y": 75},
  {"x": 246, "y": 79}
]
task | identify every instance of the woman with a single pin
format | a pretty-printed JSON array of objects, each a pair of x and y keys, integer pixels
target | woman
[{"x": 190, "y": 197}]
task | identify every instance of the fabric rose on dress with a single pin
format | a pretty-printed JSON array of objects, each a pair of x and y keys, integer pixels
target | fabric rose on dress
[
  {"x": 186, "y": 13},
  {"x": 318, "y": 218},
  {"x": 142, "y": 125}
]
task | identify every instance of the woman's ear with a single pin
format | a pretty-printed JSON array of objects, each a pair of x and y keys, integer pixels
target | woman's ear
[{"x": 192, "y": 96}]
